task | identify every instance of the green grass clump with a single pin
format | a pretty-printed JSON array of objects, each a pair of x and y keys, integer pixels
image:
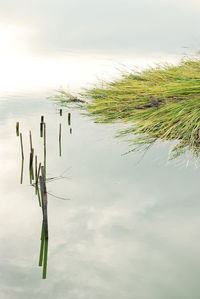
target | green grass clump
[{"x": 160, "y": 103}]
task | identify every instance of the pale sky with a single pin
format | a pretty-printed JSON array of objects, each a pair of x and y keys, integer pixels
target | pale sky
[
  {"x": 53, "y": 43},
  {"x": 105, "y": 25}
]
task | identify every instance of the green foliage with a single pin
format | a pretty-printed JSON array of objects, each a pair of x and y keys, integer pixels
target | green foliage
[{"x": 159, "y": 103}]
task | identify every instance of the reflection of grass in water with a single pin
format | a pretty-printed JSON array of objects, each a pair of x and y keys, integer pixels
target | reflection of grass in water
[
  {"x": 41, "y": 245},
  {"x": 38, "y": 175},
  {"x": 160, "y": 103},
  {"x": 43, "y": 252},
  {"x": 22, "y": 171},
  {"x": 45, "y": 258},
  {"x": 38, "y": 194}
]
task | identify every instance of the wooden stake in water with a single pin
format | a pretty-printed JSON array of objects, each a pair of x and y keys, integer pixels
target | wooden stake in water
[
  {"x": 60, "y": 140},
  {"x": 22, "y": 150},
  {"x": 69, "y": 119},
  {"x": 60, "y": 112},
  {"x": 17, "y": 128}
]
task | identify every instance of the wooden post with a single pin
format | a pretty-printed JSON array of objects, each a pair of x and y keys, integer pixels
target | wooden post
[{"x": 60, "y": 112}]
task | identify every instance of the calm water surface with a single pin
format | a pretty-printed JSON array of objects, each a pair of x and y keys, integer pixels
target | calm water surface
[{"x": 130, "y": 228}]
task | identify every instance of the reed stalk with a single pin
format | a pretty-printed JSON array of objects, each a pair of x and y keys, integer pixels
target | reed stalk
[
  {"x": 22, "y": 149},
  {"x": 17, "y": 128}
]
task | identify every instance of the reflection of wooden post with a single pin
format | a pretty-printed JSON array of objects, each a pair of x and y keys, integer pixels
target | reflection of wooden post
[
  {"x": 22, "y": 150},
  {"x": 69, "y": 118},
  {"x": 17, "y": 128},
  {"x": 70, "y": 130}
]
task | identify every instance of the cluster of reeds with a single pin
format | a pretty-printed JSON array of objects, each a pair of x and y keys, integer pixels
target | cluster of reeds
[
  {"x": 38, "y": 179},
  {"x": 161, "y": 103}
]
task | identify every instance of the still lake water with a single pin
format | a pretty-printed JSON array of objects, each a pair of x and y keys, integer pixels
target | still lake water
[{"x": 130, "y": 228}]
